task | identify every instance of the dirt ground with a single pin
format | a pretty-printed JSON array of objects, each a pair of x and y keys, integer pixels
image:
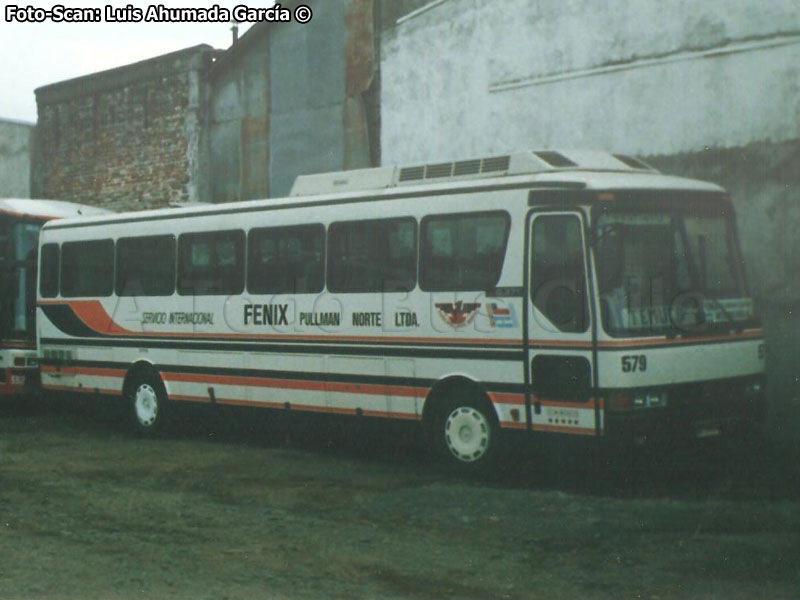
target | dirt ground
[{"x": 232, "y": 506}]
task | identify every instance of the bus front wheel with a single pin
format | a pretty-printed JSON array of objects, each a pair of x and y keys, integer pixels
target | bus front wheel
[
  {"x": 147, "y": 399},
  {"x": 466, "y": 432}
]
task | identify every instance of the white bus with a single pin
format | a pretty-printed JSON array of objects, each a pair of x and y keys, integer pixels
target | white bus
[
  {"x": 572, "y": 293},
  {"x": 20, "y": 222}
]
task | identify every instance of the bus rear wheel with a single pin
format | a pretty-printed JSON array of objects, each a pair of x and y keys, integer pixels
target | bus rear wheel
[
  {"x": 147, "y": 399},
  {"x": 466, "y": 433}
]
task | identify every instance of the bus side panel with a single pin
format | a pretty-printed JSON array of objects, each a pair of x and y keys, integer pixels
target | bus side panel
[{"x": 673, "y": 362}]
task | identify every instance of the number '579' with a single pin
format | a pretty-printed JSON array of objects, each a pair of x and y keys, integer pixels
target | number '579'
[{"x": 634, "y": 362}]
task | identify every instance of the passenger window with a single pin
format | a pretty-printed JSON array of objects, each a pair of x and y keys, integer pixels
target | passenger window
[
  {"x": 558, "y": 275},
  {"x": 87, "y": 268},
  {"x": 372, "y": 256},
  {"x": 211, "y": 263},
  {"x": 146, "y": 266},
  {"x": 463, "y": 252},
  {"x": 286, "y": 260},
  {"x": 48, "y": 281}
]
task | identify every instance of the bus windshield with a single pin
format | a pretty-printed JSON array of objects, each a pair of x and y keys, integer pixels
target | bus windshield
[
  {"x": 670, "y": 268},
  {"x": 18, "y": 279}
]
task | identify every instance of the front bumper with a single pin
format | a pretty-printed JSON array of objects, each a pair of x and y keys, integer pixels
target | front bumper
[{"x": 727, "y": 408}]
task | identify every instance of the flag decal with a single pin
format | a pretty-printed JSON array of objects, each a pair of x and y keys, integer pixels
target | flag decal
[{"x": 502, "y": 316}]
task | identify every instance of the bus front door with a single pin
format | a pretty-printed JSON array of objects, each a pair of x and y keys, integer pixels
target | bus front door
[{"x": 559, "y": 353}]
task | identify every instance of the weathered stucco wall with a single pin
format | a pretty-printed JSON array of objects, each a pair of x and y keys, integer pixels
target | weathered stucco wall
[
  {"x": 471, "y": 76},
  {"x": 319, "y": 75},
  {"x": 709, "y": 90},
  {"x": 289, "y": 99},
  {"x": 16, "y": 145},
  {"x": 239, "y": 120}
]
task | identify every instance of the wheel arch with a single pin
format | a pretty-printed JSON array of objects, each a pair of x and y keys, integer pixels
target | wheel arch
[
  {"x": 137, "y": 368},
  {"x": 446, "y": 387}
]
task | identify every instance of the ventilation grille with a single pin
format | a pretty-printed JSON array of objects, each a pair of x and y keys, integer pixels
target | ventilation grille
[
  {"x": 455, "y": 169},
  {"x": 497, "y": 163},
  {"x": 440, "y": 170},
  {"x": 412, "y": 173},
  {"x": 467, "y": 167}
]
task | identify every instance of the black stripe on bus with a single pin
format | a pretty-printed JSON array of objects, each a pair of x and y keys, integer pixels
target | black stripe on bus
[
  {"x": 270, "y": 207},
  {"x": 479, "y": 353},
  {"x": 63, "y": 317},
  {"x": 362, "y": 348}
]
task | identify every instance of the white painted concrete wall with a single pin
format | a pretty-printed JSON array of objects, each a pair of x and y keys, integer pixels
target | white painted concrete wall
[
  {"x": 703, "y": 88},
  {"x": 470, "y": 77}
]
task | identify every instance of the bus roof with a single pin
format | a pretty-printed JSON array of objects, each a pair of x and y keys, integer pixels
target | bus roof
[
  {"x": 596, "y": 171},
  {"x": 47, "y": 209}
]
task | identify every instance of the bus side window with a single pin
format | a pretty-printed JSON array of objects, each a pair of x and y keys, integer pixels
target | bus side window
[
  {"x": 211, "y": 263},
  {"x": 558, "y": 276},
  {"x": 372, "y": 256},
  {"x": 146, "y": 266},
  {"x": 87, "y": 268},
  {"x": 48, "y": 282},
  {"x": 286, "y": 260},
  {"x": 463, "y": 252}
]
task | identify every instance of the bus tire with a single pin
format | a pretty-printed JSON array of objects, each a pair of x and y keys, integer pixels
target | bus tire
[
  {"x": 465, "y": 430},
  {"x": 147, "y": 399}
]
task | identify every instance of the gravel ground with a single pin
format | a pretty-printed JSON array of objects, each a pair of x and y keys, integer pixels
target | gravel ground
[{"x": 233, "y": 506}]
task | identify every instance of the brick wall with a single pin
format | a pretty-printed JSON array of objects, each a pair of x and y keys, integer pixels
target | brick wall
[{"x": 127, "y": 139}]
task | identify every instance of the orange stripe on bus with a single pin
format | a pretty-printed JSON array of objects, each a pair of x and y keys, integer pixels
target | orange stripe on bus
[
  {"x": 19, "y": 344},
  {"x": 564, "y": 429},
  {"x": 93, "y": 314},
  {"x": 506, "y": 398},
  {"x": 189, "y": 398},
  {"x": 635, "y": 342},
  {"x": 589, "y": 404},
  {"x": 98, "y": 371},
  {"x": 294, "y": 384},
  {"x": 297, "y": 407},
  {"x": 564, "y": 343},
  {"x": 755, "y": 333}
]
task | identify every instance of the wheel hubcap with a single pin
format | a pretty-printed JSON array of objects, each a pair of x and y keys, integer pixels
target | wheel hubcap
[
  {"x": 467, "y": 434},
  {"x": 146, "y": 405}
]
